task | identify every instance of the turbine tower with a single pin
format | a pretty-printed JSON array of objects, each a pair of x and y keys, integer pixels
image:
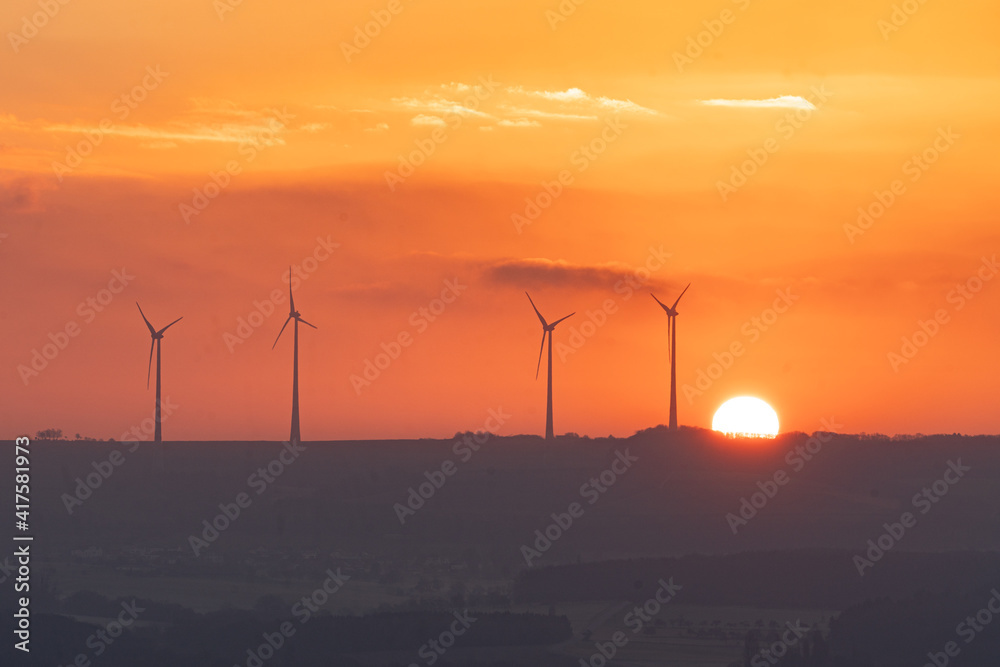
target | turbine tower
[
  {"x": 547, "y": 331},
  {"x": 293, "y": 315},
  {"x": 672, "y": 352},
  {"x": 157, "y": 336}
]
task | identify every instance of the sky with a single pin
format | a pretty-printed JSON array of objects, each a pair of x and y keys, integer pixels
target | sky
[{"x": 822, "y": 175}]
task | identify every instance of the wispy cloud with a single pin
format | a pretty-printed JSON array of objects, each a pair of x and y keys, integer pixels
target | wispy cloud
[
  {"x": 785, "y": 101},
  {"x": 422, "y": 119},
  {"x": 556, "y": 273},
  {"x": 516, "y": 106},
  {"x": 181, "y": 132},
  {"x": 437, "y": 104},
  {"x": 519, "y": 122},
  {"x": 538, "y": 113},
  {"x": 578, "y": 99},
  {"x": 570, "y": 95}
]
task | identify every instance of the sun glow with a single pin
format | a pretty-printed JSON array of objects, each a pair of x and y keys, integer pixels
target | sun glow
[{"x": 746, "y": 417}]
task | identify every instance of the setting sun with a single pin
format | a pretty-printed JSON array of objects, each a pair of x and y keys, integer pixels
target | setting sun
[{"x": 746, "y": 416}]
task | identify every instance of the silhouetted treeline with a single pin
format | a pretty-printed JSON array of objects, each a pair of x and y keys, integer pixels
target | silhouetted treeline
[{"x": 675, "y": 500}]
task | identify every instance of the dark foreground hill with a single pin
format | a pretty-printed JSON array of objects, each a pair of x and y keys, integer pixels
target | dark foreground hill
[{"x": 693, "y": 491}]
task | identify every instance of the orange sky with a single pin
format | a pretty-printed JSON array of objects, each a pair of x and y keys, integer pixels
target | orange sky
[{"x": 113, "y": 115}]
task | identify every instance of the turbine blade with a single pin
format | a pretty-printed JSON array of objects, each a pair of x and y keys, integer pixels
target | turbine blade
[
  {"x": 291, "y": 299},
  {"x": 662, "y": 305},
  {"x": 540, "y": 350},
  {"x": 282, "y": 330},
  {"x": 304, "y": 322},
  {"x": 679, "y": 298},
  {"x": 149, "y": 366},
  {"x": 542, "y": 319},
  {"x": 170, "y": 325},
  {"x": 553, "y": 325},
  {"x": 152, "y": 331}
]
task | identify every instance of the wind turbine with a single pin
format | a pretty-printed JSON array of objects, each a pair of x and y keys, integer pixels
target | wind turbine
[
  {"x": 293, "y": 315},
  {"x": 157, "y": 336},
  {"x": 547, "y": 331},
  {"x": 672, "y": 352}
]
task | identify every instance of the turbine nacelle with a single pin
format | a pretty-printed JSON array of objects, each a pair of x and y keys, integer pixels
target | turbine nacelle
[
  {"x": 292, "y": 313},
  {"x": 155, "y": 336},
  {"x": 547, "y": 330},
  {"x": 670, "y": 310}
]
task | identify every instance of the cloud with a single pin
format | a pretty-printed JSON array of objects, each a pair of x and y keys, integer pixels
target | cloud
[
  {"x": 381, "y": 127},
  {"x": 228, "y": 133},
  {"x": 516, "y": 106},
  {"x": 437, "y": 104},
  {"x": 570, "y": 95},
  {"x": 575, "y": 98},
  {"x": 427, "y": 120},
  {"x": 221, "y": 108},
  {"x": 10, "y": 122},
  {"x": 519, "y": 122},
  {"x": 208, "y": 121},
  {"x": 538, "y": 113},
  {"x": 557, "y": 273},
  {"x": 785, "y": 102}
]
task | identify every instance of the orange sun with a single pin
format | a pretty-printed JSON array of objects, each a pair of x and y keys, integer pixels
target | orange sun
[{"x": 746, "y": 416}]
